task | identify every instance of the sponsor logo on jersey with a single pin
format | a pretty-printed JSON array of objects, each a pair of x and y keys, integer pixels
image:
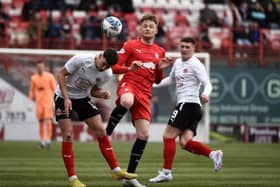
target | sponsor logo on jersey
[{"x": 149, "y": 65}]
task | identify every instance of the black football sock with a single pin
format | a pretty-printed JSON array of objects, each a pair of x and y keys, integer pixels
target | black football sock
[
  {"x": 116, "y": 115},
  {"x": 136, "y": 154}
]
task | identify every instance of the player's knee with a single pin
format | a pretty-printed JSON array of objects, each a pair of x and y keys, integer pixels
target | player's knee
[
  {"x": 100, "y": 132},
  {"x": 127, "y": 103},
  {"x": 143, "y": 135},
  {"x": 183, "y": 142},
  {"x": 68, "y": 136}
]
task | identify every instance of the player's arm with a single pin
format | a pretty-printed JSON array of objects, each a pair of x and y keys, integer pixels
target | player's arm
[
  {"x": 62, "y": 81},
  {"x": 205, "y": 81},
  {"x": 62, "y": 85},
  {"x": 167, "y": 80},
  {"x": 124, "y": 54},
  {"x": 32, "y": 89},
  {"x": 120, "y": 69},
  {"x": 165, "y": 63},
  {"x": 100, "y": 92}
]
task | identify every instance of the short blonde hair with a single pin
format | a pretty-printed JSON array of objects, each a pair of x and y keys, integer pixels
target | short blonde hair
[{"x": 149, "y": 17}]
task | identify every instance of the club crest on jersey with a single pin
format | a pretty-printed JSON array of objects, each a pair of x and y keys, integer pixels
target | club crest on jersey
[
  {"x": 185, "y": 70},
  {"x": 98, "y": 79}
]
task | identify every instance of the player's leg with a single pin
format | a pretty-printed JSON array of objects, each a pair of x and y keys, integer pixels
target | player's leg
[
  {"x": 142, "y": 133},
  {"x": 67, "y": 152},
  {"x": 89, "y": 113},
  {"x": 49, "y": 132},
  {"x": 199, "y": 148},
  {"x": 125, "y": 101},
  {"x": 169, "y": 150},
  {"x": 141, "y": 117},
  {"x": 192, "y": 115},
  {"x": 40, "y": 117},
  {"x": 96, "y": 124},
  {"x": 48, "y": 116},
  {"x": 196, "y": 147}
]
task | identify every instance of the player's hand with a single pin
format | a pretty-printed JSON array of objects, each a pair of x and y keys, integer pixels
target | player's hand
[
  {"x": 105, "y": 94},
  {"x": 204, "y": 99},
  {"x": 165, "y": 63},
  {"x": 136, "y": 64},
  {"x": 67, "y": 106}
]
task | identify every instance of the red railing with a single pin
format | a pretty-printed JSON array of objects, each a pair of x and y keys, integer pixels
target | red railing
[{"x": 266, "y": 50}]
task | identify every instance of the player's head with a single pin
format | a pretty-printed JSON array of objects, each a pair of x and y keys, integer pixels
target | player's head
[
  {"x": 187, "y": 47},
  {"x": 107, "y": 59},
  {"x": 40, "y": 67},
  {"x": 148, "y": 26}
]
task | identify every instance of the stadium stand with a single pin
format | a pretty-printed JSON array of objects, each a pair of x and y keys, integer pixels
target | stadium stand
[{"x": 223, "y": 28}]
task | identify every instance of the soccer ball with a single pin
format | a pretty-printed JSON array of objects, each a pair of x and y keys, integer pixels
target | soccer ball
[{"x": 111, "y": 26}]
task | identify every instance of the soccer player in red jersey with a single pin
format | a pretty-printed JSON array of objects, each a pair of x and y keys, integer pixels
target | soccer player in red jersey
[{"x": 141, "y": 61}]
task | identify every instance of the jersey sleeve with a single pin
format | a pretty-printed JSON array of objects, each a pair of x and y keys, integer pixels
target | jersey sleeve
[
  {"x": 73, "y": 64},
  {"x": 32, "y": 89},
  {"x": 124, "y": 54},
  {"x": 159, "y": 76},
  {"x": 204, "y": 79},
  {"x": 159, "y": 73}
]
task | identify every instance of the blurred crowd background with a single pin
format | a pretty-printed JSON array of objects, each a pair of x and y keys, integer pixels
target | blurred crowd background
[{"x": 222, "y": 27}]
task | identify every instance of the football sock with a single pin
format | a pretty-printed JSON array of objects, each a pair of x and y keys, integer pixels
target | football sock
[
  {"x": 68, "y": 158},
  {"x": 107, "y": 151},
  {"x": 169, "y": 152},
  {"x": 136, "y": 154},
  {"x": 73, "y": 178},
  {"x": 116, "y": 169},
  {"x": 49, "y": 130},
  {"x": 42, "y": 131},
  {"x": 116, "y": 115},
  {"x": 197, "y": 148}
]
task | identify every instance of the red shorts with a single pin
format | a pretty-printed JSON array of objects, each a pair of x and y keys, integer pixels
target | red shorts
[{"x": 141, "y": 108}]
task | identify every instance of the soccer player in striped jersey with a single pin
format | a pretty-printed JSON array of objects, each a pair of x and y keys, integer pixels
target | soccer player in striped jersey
[
  {"x": 79, "y": 79},
  {"x": 189, "y": 74}
]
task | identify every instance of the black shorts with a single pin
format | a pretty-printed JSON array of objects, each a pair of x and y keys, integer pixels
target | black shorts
[
  {"x": 81, "y": 109},
  {"x": 186, "y": 116}
]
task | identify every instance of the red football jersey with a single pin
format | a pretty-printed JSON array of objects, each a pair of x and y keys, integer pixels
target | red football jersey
[{"x": 150, "y": 55}]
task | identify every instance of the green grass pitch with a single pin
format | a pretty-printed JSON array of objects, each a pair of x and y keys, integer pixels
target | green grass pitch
[{"x": 23, "y": 164}]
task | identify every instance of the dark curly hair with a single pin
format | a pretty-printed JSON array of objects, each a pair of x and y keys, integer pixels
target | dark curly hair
[{"x": 111, "y": 56}]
